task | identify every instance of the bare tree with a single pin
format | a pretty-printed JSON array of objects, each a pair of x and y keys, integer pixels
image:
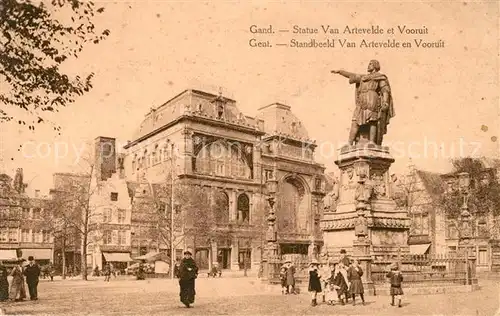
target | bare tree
[{"x": 75, "y": 213}]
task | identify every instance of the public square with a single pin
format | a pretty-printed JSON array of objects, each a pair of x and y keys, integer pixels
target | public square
[{"x": 230, "y": 296}]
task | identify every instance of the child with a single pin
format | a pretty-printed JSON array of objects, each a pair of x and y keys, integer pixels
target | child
[
  {"x": 314, "y": 281},
  {"x": 396, "y": 278},
  {"x": 329, "y": 291},
  {"x": 354, "y": 274},
  {"x": 340, "y": 282},
  {"x": 284, "y": 287}
]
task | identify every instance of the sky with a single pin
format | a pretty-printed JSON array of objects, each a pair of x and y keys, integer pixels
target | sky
[{"x": 446, "y": 99}]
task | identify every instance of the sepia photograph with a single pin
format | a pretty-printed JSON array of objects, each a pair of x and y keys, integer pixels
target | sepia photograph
[{"x": 249, "y": 157}]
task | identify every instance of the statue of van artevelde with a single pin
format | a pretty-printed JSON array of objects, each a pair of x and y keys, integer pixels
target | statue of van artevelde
[{"x": 374, "y": 105}]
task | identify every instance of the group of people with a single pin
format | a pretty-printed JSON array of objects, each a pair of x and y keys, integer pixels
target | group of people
[
  {"x": 287, "y": 278},
  {"x": 342, "y": 281},
  {"x": 20, "y": 273}
]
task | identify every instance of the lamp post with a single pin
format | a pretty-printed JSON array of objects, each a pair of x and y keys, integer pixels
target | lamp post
[
  {"x": 465, "y": 231},
  {"x": 271, "y": 234},
  {"x": 172, "y": 211}
]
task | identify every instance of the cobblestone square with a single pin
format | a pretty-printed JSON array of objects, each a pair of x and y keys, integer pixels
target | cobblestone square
[{"x": 231, "y": 296}]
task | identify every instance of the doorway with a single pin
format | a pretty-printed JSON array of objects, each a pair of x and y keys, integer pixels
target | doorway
[{"x": 224, "y": 258}]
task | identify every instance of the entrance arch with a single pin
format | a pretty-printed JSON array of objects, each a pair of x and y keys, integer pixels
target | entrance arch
[{"x": 293, "y": 207}]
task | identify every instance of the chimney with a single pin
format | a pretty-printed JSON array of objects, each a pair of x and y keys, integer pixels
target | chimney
[
  {"x": 105, "y": 157},
  {"x": 37, "y": 194}
]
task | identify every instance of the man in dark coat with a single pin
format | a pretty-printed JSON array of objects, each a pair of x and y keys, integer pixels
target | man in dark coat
[
  {"x": 4, "y": 283},
  {"x": 32, "y": 273},
  {"x": 188, "y": 272}
]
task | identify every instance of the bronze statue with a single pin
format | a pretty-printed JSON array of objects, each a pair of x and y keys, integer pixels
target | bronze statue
[{"x": 374, "y": 106}]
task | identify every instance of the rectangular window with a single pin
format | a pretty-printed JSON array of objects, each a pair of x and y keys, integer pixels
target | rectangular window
[
  {"x": 37, "y": 236},
  {"x": 122, "y": 237},
  {"x": 114, "y": 196},
  {"x": 4, "y": 234},
  {"x": 25, "y": 235},
  {"x": 106, "y": 215},
  {"x": 46, "y": 236},
  {"x": 13, "y": 235},
  {"x": 37, "y": 213},
  {"x": 122, "y": 214},
  {"x": 26, "y": 212},
  {"x": 114, "y": 237},
  {"x": 483, "y": 257},
  {"x": 106, "y": 237}
]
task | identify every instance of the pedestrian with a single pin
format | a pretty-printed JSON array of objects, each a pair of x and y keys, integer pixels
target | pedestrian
[
  {"x": 106, "y": 272},
  {"x": 4, "y": 283},
  {"x": 32, "y": 273},
  {"x": 354, "y": 274},
  {"x": 396, "y": 278},
  {"x": 17, "y": 290},
  {"x": 51, "y": 272},
  {"x": 284, "y": 289},
  {"x": 141, "y": 275},
  {"x": 290, "y": 277},
  {"x": 340, "y": 282},
  {"x": 188, "y": 272},
  {"x": 314, "y": 281},
  {"x": 329, "y": 291}
]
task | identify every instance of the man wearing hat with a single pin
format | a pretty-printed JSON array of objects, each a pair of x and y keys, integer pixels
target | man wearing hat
[
  {"x": 188, "y": 272},
  {"x": 290, "y": 277},
  {"x": 32, "y": 273}
]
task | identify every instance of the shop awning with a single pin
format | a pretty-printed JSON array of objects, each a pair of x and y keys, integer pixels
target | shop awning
[
  {"x": 38, "y": 254},
  {"x": 117, "y": 257},
  {"x": 153, "y": 256},
  {"x": 419, "y": 249},
  {"x": 8, "y": 254}
]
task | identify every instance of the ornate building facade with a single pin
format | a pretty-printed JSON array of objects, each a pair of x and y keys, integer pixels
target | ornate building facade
[
  {"x": 23, "y": 229},
  {"x": 204, "y": 140}
]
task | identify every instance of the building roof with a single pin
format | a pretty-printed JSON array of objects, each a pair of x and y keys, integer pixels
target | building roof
[
  {"x": 432, "y": 182},
  {"x": 279, "y": 120},
  {"x": 191, "y": 103}
]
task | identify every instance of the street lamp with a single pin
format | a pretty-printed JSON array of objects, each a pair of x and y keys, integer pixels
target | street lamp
[
  {"x": 465, "y": 229},
  {"x": 271, "y": 234}
]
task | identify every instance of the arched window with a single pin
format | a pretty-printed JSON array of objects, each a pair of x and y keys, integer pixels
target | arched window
[
  {"x": 292, "y": 212},
  {"x": 145, "y": 159},
  {"x": 243, "y": 209},
  {"x": 220, "y": 159},
  {"x": 221, "y": 207}
]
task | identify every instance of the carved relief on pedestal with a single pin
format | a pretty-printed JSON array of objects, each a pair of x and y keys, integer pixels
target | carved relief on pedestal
[
  {"x": 347, "y": 178},
  {"x": 379, "y": 185}
]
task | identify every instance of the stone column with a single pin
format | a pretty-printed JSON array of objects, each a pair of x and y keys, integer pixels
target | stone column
[
  {"x": 233, "y": 205},
  {"x": 362, "y": 243},
  {"x": 235, "y": 251},
  {"x": 213, "y": 255}
]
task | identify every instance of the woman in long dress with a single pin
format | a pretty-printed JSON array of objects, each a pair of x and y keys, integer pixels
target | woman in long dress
[
  {"x": 4, "y": 283},
  {"x": 354, "y": 274},
  {"x": 17, "y": 288},
  {"x": 340, "y": 281}
]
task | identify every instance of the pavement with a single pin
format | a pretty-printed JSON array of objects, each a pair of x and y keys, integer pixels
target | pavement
[{"x": 231, "y": 296}]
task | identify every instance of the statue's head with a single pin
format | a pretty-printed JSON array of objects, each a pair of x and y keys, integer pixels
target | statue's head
[{"x": 373, "y": 65}]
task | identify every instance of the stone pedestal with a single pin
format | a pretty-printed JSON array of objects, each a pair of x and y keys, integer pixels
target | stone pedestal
[
  {"x": 361, "y": 252},
  {"x": 387, "y": 227}
]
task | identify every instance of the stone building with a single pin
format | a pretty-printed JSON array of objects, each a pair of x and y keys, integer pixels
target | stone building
[
  {"x": 204, "y": 140},
  {"x": 432, "y": 231},
  {"x": 24, "y": 230},
  {"x": 111, "y": 204}
]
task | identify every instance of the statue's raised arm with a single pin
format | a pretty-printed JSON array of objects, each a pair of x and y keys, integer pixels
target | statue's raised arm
[{"x": 374, "y": 106}]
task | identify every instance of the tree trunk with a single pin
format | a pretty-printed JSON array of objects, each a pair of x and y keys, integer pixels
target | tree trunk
[
  {"x": 64, "y": 255},
  {"x": 84, "y": 244}
]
